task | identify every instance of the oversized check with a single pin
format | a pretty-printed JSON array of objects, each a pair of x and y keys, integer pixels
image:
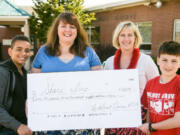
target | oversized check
[{"x": 83, "y": 100}]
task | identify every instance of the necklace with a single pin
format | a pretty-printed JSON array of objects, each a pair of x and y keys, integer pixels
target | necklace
[{"x": 133, "y": 62}]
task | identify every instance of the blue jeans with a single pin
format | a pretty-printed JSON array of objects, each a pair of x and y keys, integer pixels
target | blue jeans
[{"x": 8, "y": 132}]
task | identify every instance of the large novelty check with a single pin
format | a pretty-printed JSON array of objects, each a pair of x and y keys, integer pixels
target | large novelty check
[{"x": 83, "y": 100}]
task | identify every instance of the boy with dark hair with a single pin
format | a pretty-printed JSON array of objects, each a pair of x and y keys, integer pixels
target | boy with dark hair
[
  {"x": 13, "y": 91},
  {"x": 162, "y": 94}
]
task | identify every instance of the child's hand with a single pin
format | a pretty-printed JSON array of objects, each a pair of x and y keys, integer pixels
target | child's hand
[{"x": 145, "y": 128}]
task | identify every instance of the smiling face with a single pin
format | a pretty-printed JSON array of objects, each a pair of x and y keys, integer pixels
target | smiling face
[
  {"x": 127, "y": 39},
  {"x": 67, "y": 33},
  {"x": 168, "y": 64},
  {"x": 20, "y": 52}
]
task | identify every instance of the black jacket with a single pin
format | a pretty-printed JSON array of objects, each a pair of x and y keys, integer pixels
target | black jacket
[{"x": 7, "y": 84}]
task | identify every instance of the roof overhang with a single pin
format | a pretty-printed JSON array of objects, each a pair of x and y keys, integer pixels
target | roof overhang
[
  {"x": 13, "y": 20},
  {"x": 116, "y": 4}
]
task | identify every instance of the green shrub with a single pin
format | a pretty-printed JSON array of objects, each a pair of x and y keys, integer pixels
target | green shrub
[{"x": 104, "y": 52}]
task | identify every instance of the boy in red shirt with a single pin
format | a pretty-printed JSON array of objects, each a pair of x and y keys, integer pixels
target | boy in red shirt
[{"x": 162, "y": 94}]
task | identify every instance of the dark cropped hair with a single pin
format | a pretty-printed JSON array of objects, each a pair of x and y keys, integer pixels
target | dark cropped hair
[
  {"x": 19, "y": 37},
  {"x": 170, "y": 47},
  {"x": 80, "y": 43}
]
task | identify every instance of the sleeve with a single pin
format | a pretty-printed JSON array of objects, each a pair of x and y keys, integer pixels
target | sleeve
[
  {"x": 151, "y": 69},
  {"x": 106, "y": 67},
  {"x": 93, "y": 58},
  {"x": 177, "y": 101},
  {"x": 108, "y": 64},
  {"x": 6, "y": 119},
  {"x": 39, "y": 58},
  {"x": 144, "y": 101}
]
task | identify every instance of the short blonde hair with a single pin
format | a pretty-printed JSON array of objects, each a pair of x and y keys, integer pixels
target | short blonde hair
[{"x": 120, "y": 27}]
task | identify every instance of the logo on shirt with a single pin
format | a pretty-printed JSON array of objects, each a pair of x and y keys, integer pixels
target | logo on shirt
[{"x": 161, "y": 103}]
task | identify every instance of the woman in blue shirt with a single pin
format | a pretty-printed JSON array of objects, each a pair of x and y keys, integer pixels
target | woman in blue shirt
[{"x": 66, "y": 50}]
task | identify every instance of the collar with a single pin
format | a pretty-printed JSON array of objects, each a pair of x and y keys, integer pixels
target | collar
[
  {"x": 9, "y": 64},
  {"x": 133, "y": 62}
]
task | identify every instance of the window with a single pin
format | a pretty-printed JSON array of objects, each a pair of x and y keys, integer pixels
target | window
[
  {"x": 93, "y": 34},
  {"x": 176, "y": 34},
  {"x": 145, "y": 29}
]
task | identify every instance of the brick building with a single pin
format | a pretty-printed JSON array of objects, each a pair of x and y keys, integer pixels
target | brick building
[
  {"x": 158, "y": 21},
  {"x": 13, "y": 21}
]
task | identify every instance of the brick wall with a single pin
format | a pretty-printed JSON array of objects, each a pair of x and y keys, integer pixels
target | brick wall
[
  {"x": 162, "y": 21},
  {"x": 7, "y": 33}
]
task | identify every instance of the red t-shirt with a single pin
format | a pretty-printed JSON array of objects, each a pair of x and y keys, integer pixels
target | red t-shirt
[{"x": 162, "y": 101}]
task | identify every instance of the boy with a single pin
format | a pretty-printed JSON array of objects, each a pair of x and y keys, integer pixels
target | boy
[
  {"x": 162, "y": 94},
  {"x": 13, "y": 92}
]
